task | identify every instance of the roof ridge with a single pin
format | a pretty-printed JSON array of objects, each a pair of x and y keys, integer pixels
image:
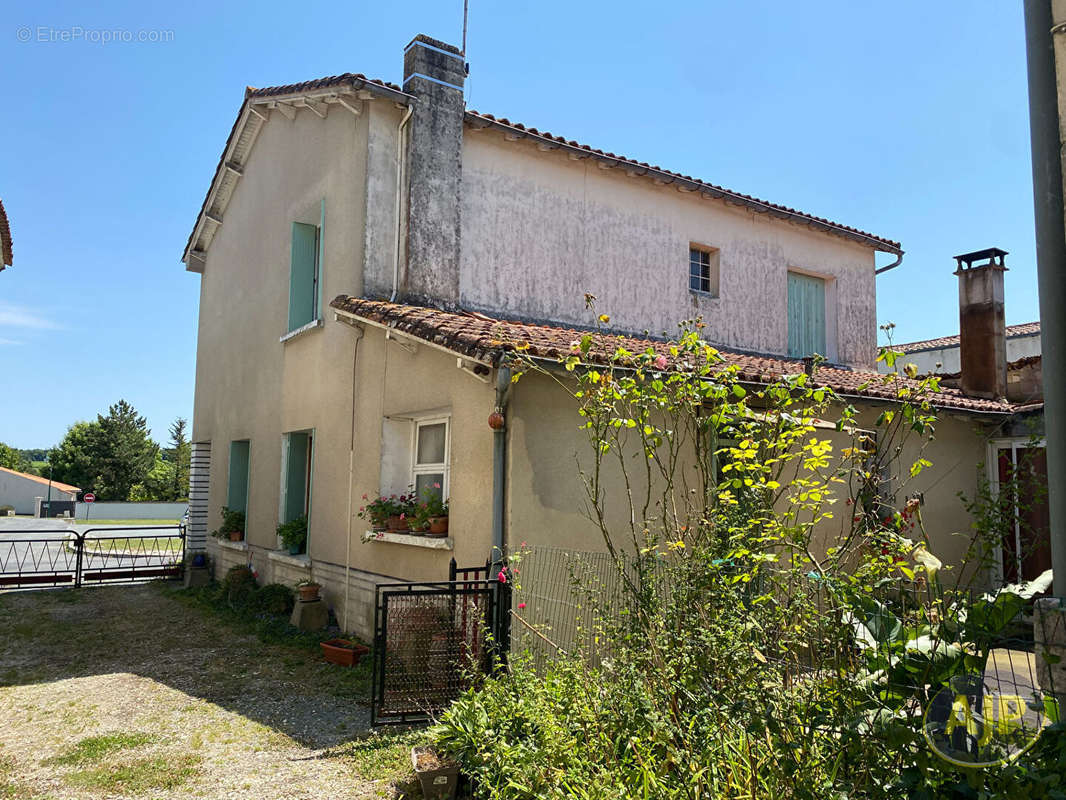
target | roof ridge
[{"x": 1021, "y": 329}]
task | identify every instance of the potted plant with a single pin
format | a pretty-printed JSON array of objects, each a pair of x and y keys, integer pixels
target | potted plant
[
  {"x": 376, "y": 512},
  {"x": 439, "y": 776},
  {"x": 344, "y": 652},
  {"x": 232, "y": 526},
  {"x": 435, "y": 509},
  {"x": 308, "y": 590},
  {"x": 293, "y": 534}
]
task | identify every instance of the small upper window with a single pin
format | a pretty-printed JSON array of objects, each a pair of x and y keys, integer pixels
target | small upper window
[
  {"x": 703, "y": 270},
  {"x": 304, "y": 275},
  {"x": 429, "y": 467}
]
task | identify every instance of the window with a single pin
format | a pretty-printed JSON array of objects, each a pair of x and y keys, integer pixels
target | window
[
  {"x": 703, "y": 270},
  {"x": 297, "y": 461},
  {"x": 304, "y": 275},
  {"x": 237, "y": 492},
  {"x": 1019, "y": 481},
  {"x": 429, "y": 464},
  {"x": 806, "y": 315}
]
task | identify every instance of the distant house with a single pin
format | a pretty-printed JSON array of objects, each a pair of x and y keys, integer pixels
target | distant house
[
  {"x": 22, "y": 490},
  {"x": 5, "y": 239},
  {"x": 941, "y": 355}
]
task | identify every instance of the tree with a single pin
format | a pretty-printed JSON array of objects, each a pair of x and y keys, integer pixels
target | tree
[
  {"x": 109, "y": 455},
  {"x": 74, "y": 459},
  {"x": 124, "y": 449},
  {"x": 179, "y": 454},
  {"x": 12, "y": 459}
]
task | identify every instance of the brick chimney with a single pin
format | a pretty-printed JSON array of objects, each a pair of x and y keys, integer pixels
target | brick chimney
[
  {"x": 982, "y": 329},
  {"x": 434, "y": 72}
]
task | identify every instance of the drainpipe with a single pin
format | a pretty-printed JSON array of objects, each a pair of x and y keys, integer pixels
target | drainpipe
[
  {"x": 893, "y": 265},
  {"x": 499, "y": 460},
  {"x": 400, "y": 154},
  {"x": 1050, "y": 262}
]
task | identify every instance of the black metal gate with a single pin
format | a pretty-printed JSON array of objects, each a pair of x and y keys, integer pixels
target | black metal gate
[
  {"x": 432, "y": 641},
  {"x": 96, "y": 556}
]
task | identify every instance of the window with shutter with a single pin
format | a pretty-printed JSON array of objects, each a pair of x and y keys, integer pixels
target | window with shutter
[
  {"x": 303, "y": 275},
  {"x": 237, "y": 493},
  {"x": 806, "y": 315}
]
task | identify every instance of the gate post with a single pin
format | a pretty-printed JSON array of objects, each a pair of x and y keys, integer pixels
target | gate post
[{"x": 79, "y": 541}]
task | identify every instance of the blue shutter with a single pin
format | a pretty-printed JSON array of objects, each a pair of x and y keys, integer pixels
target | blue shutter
[
  {"x": 237, "y": 496},
  {"x": 295, "y": 477},
  {"x": 302, "y": 274},
  {"x": 806, "y": 315}
]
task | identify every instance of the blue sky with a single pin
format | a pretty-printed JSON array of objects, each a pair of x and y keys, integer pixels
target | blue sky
[{"x": 908, "y": 120}]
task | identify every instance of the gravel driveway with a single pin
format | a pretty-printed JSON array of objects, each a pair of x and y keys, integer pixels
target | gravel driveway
[{"x": 130, "y": 692}]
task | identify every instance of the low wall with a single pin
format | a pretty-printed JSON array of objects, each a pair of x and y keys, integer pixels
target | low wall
[{"x": 130, "y": 510}]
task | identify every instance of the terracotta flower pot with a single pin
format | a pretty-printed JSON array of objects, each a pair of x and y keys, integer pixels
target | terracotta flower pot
[
  {"x": 236, "y": 536},
  {"x": 344, "y": 652},
  {"x": 397, "y": 524},
  {"x": 309, "y": 592},
  {"x": 438, "y": 526}
]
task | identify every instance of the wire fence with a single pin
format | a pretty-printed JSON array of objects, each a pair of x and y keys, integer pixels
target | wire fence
[{"x": 957, "y": 655}]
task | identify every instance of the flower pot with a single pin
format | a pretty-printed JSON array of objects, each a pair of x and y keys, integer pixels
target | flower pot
[
  {"x": 397, "y": 524},
  {"x": 344, "y": 652},
  {"x": 439, "y": 777},
  {"x": 294, "y": 549},
  {"x": 236, "y": 536},
  {"x": 308, "y": 593},
  {"x": 438, "y": 526}
]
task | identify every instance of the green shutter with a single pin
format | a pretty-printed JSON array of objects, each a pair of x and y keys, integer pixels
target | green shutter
[
  {"x": 806, "y": 315},
  {"x": 295, "y": 477},
  {"x": 237, "y": 496},
  {"x": 302, "y": 274}
]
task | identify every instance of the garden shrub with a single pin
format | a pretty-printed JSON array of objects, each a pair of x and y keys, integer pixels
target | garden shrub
[
  {"x": 238, "y": 587},
  {"x": 783, "y": 622},
  {"x": 275, "y": 599}
]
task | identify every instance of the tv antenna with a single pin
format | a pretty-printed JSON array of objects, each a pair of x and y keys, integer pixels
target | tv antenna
[{"x": 466, "y": 12}]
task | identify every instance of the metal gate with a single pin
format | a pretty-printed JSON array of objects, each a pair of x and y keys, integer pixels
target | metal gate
[
  {"x": 96, "y": 556},
  {"x": 432, "y": 641}
]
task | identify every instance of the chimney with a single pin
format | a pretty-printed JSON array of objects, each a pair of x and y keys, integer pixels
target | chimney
[
  {"x": 982, "y": 330},
  {"x": 434, "y": 72}
]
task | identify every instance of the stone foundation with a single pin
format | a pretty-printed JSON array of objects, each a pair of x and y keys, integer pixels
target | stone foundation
[{"x": 272, "y": 566}]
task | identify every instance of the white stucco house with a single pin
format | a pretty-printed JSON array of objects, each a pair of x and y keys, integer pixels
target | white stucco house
[{"x": 22, "y": 490}]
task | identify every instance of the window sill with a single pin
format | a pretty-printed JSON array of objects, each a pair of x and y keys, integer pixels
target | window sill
[
  {"x": 302, "y": 561},
  {"x": 410, "y": 540},
  {"x": 310, "y": 326},
  {"x": 703, "y": 295},
  {"x": 240, "y": 546}
]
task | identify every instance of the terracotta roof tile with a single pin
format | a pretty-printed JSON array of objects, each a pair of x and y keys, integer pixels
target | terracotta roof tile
[
  {"x": 478, "y": 118},
  {"x": 487, "y": 339},
  {"x": 1025, "y": 329}
]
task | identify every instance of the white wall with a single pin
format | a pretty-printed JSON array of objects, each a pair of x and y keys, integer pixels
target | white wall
[
  {"x": 949, "y": 360},
  {"x": 540, "y": 230},
  {"x": 130, "y": 510},
  {"x": 19, "y": 491}
]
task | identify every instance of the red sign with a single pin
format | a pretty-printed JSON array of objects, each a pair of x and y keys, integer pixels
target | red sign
[{"x": 88, "y": 497}]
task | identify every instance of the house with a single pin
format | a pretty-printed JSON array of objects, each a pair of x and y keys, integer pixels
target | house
[
  {"x": 28, "y": 493},
  {"x": 367, "y": 252}
]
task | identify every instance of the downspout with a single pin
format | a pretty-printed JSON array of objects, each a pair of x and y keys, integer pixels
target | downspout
[
  {"x": 893, "y": 265},
  {"x": 401, "y": 154},
  {"x": 351, "y": 475},
  {"x": 499, "y": 461},
  {"x": 1044, "y": 126}
]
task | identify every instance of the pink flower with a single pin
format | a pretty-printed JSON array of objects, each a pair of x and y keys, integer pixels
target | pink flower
[
  {"x": 364, "y": 497},
  {"x": 502, "y": 577},
  {"x": 521, "y": 605},
  {"x": 660, "y": 362},
  {"x": 436, "y": 485},
  {"x": 403, "y": 516}
]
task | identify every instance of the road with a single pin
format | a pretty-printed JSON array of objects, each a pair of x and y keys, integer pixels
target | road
[{"x": 40, "y": 552}]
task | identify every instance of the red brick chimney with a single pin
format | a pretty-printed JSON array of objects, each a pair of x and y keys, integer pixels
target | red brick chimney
[{"x": 982, "y": 328}]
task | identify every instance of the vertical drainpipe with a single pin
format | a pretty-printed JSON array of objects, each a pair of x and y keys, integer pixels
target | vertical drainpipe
[
  {"x": 499, "y": 461},
  {"x": 1050, "y": 263}
]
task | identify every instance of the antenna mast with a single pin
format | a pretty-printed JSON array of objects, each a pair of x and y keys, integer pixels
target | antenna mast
[{"x": 466, "y": 10}]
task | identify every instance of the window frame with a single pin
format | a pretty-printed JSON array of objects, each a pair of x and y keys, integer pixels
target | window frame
[
  {"x": 995, "y": 447},
  {"x": 308, "y": 480},
  {"x": 827, "y": 336},
  {"x": 713, "y": 269},
  {"x": 442, "y": 468},
  {"x": 234, "y": 443}
]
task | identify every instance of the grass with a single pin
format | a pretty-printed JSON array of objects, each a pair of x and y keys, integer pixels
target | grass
[
  {"x": 95, "y": 748},
  {"x": 136, "y": 777},
  {"x": 106, "y": 544},
  {"x": 129, "y": 522},
  {"x": 385, "y": 755}
]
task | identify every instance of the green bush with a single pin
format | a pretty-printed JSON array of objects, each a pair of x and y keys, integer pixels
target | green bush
[
  {"x": 275, "y": 599},
  {"x": 238, "y": 587}
]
